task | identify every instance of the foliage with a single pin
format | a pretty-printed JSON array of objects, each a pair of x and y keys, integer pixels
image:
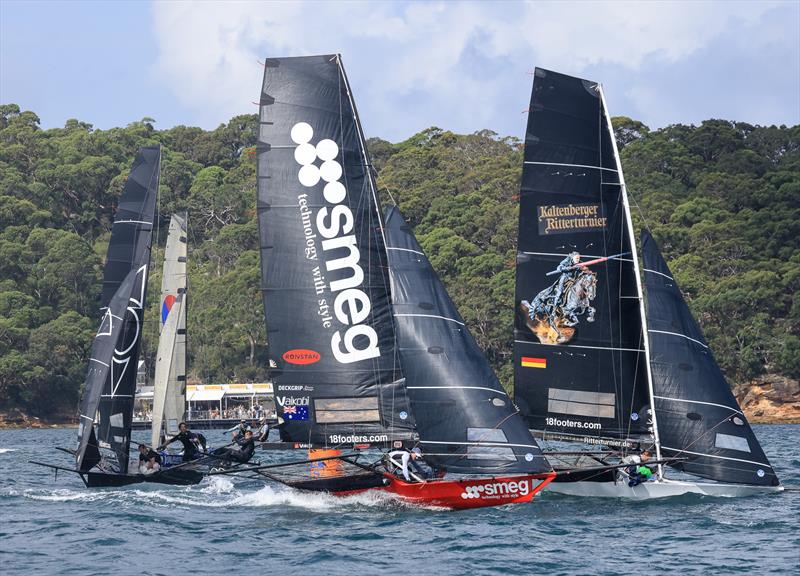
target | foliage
[{"x": 722, "y": 199}]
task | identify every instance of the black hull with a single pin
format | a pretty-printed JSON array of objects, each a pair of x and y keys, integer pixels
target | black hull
[
  {"x": 175, "y": 478},
  {"x": 340, "y": 484},
  {"x": 586, "y": 476}
]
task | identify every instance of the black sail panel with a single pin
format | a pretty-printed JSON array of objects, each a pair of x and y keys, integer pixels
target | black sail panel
[
  {"x": 128, "y": 255},
  {"x": 579, "y": 362},
  {"x": 465, "y": 420},
  {"x": 324, "y": 279},
  {"x": 105, "y": 341},
  {"x": 698, "y": 416}
]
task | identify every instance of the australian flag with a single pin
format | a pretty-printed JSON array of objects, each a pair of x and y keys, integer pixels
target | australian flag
[{"x": 295, "y": 412}]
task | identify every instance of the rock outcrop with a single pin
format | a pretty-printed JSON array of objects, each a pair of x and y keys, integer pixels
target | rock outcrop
[{"x": 770, "y": 399}]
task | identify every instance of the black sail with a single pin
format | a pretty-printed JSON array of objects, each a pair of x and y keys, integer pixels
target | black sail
[
  {"x": 124, "y": 275},
  {"x": 325, "y": 284},
  {"x": 465, "y": 420},
  {"x": 698, "y": 416},
  {"x": 579, "y": 364}
]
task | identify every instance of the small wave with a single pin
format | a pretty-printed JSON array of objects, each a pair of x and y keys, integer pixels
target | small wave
[{"x": 4, "y": 450}]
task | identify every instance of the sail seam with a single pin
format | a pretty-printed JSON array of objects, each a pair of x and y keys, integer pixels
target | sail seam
[
  {"x": 562, "y": 255},
  {"x": 406, "y": 250},
  {"x": 431, "y": 316},
  {"x": 716, "y": 456},
  {"x": 459, "y": 387},
  {"x": 681, "y": 335},
  {"x": 589, "y": 347},
  {"x": 659, "y": 273},
  {"x": 570, "y": 165},
  {"x": 133, "y": 222},
  {"x": 699, "y": 402},
  {"x": 480, "y": 443}
]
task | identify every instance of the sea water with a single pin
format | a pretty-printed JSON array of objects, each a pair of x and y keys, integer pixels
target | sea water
[{"x": 246, "y": 527}]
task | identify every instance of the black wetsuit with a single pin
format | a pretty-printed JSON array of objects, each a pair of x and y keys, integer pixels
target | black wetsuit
[
  {"x": 240, "y": 454},
  {"x": 190, "y": 442},
  {"x": 150, "y": 454}
]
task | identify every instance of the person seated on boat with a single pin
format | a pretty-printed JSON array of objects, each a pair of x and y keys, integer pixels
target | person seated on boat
[
  {"x": 263, "y": 430},
  {"x": 149, "y": 460},
  {"x": 194, "y": 445},
  {"x": 402, "y": 460},
  {"x": 242, "y": 452},
  {"x": 638, "y": 471},
  {"x": 238, "y": 432}
]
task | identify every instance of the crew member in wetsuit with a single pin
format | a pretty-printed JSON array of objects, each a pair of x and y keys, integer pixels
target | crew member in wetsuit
[
  {"x": 238, "y": 433},
  {"x": 402, "y": 459},
  {"x": 263, "y": 431},
  {"x": 194, "y": 445},
  {"x": 638, "y": 471},
  {"x": 149, "y": 460},
  {"x": 241, "y": 453}
]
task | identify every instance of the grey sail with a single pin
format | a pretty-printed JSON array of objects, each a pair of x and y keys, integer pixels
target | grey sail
[
  {"x": 698, "y": 417},
  {"x": 124, "y": 274},
  {"x": 324, "y": 278},
  {"x": 169, "y": 388},
  {"x": 466, "y": 422}
]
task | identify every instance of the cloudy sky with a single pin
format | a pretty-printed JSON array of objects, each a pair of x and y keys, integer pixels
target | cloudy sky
[{"x": 462, "y": 66}]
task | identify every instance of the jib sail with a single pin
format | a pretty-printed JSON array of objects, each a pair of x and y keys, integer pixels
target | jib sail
[
  {"x": 698, "y": 416},
  {"x": 466, "y": 421},
  {"x": 124, "y": 279},
  {"x": 337, "y": 376},
  {"x": 579, "y": 359},
  {"x": 169, "y": 396}
]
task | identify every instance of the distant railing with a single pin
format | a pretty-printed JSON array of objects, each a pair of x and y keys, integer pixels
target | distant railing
[{"x": 230, "y": 414}]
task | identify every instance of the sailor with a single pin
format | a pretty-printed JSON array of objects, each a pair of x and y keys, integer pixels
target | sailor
[
  {"x": 263, "y": 430},
  {"x": 638, "y": 471},
  {"x": 193, "y": 444},
  {"x": 241, "y": 453},
  {"x": 149, "y": 460},
  {"x": 569, "y": 271},
  {"x": 401, "y": 459},
  {"x": 238, "y": 432}
]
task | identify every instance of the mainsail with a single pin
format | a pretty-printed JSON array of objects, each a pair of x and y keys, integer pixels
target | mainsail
[
  {"x": 466, "y": 421},
  {"x": 124, "y": 276},
  {"x": 169, "y": 394},
  {"x": 698, "y": 416},
  {"x": 323, "y": 263},
  {"x": 579, "y": 357}
]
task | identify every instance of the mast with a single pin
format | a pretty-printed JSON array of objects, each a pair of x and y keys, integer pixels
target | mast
[{"x": 635, "y": 257}]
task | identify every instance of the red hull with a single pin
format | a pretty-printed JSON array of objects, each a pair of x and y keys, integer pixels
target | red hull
[{"x": 471, "y": 493}]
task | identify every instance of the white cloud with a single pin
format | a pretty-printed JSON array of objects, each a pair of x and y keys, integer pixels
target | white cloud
[{"x": 451, "y": 63}]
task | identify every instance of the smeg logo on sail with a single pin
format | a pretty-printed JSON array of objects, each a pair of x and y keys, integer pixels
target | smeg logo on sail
[{"x": 351, "y": 305}]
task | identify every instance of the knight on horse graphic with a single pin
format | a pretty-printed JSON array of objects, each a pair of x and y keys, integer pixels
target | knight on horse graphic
[{"x": 554, "y": 312}]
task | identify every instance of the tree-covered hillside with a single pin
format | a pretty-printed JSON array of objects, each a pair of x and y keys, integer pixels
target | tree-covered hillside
[{"x": 723, "y": 200}]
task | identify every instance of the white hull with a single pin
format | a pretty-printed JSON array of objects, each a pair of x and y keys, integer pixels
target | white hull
[{"x": 661, "y": 489}]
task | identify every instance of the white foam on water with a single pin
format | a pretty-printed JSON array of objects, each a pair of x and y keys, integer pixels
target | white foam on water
[
  {"x": 5, "y": 450},
  {"x": 66, "y": 495}
]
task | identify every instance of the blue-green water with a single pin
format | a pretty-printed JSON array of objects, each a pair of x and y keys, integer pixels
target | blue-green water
[{"x": 246, "y": 527}]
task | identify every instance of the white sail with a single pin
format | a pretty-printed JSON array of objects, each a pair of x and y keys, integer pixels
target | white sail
[{"x": 169, "y": 395}]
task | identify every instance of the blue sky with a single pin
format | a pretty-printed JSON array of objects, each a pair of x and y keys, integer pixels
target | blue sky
[{"x": 462, "y": 66}]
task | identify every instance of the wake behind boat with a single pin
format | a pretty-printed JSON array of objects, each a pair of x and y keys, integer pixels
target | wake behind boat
[{"x": 590, "y": 366}]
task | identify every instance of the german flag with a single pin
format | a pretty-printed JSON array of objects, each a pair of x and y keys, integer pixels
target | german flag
[{"x": 528, "y": 362}]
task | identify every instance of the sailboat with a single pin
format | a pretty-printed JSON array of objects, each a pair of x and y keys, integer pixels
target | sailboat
[
  {"x": 106, "y": 406},
  {"x": 169, "y": 387},
  {"x": 587, "y": 369},
  {"x": 369, "y": 351}
]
